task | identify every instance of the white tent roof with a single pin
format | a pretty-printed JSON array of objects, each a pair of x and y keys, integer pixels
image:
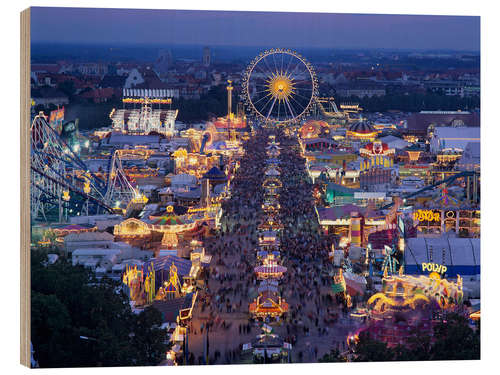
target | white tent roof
[
  {"x": 95, "y": 252},
  {"x": 394, "y": 142},
  {"x": 457, "y": 251},
  {"x": 183, "y": 179},
  {"x": 89, "y": 236}
]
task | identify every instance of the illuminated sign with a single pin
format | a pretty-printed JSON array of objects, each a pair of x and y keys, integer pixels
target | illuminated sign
[
  {"x": 202, "y": 209},
  {"x": 56, "y": 115},
  {"x": 426, "y": 215},
  {"x": 434, "y": 267},
  {"x": 147, "y": 100}
]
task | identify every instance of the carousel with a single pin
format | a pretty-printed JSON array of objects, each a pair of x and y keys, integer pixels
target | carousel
[
  {"x": 169, "y": 224},
  {"x": 362, "y": 131},
  {"x": 314, "y": 129}
]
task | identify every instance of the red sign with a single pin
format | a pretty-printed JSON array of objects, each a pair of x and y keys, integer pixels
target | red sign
[{"x": 56, "y": 115}]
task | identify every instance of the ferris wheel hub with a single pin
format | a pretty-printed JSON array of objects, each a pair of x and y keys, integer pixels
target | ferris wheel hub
[{"x": 280, "y": 87}]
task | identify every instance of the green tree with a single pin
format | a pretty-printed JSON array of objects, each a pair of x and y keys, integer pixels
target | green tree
[
  {"x": 453, "y": 339},
  {"x": 80, "y": 321},
  {"x": 146, "y": 335},
  {"x": 333, "y": 356},
  {"x": 369, "y": 350},
  {"x": 456, "y": 340}
]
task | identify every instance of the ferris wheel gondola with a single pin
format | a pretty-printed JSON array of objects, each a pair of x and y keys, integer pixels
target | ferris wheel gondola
[{"x": 279, "y": 87}]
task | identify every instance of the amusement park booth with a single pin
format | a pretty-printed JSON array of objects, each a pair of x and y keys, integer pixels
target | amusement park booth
[{"x": 463, "y": 220}]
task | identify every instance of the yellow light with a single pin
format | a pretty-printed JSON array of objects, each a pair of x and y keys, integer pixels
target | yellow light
[
  {"x": 86, "y": 187},
  {"x": 65, "y": 195},
  {"x": 428, "y": 215},
  {"x": 280, "y": 86},
  {"x": 434, "y": 275}
]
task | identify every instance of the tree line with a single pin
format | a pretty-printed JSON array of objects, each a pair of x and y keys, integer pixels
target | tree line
[
  {"x": 452, "y": 339},
  {"x": 78, "y": 321}
]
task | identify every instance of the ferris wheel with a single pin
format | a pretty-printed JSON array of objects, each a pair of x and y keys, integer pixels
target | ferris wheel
[{"x": 279, "y": 86}]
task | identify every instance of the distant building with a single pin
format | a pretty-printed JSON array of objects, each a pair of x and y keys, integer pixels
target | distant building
[
  {"x": 45, "y": 68},
  {"x": 453, "y": 88},
  {"x": 147, "y": 83},
  {"x": 360, "y": 89},
  {"x": 422, "y": 120},
  {"x": 92, "y": 69},
  {"x": 100, "y": 95},
  {"x": 163, "y": 62},
  {"x": 206, "y": 56},
  {"x": 112, "y": 80}
]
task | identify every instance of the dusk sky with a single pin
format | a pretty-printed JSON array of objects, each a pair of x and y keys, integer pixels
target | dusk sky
[{"x": 86, "y": 25}]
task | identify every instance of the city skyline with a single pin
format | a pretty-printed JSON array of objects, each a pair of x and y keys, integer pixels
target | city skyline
[{"x": 249, "y": 29}]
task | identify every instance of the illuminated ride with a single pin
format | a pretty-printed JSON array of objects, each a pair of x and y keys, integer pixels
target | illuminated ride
[
  {"x": 279, "y": 86},
  {"x": 333, "y": 114},
  {"x": 54, "y": 186},
  {"x": 406, "y": 293},
  {"x": 62, "y": 183}
]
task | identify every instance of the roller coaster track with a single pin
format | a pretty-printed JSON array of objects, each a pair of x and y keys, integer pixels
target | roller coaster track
[
  {"x": 335, "y": 114},
  {"x": 53, "y": 174},
  {"x": 69, "y": 187}
]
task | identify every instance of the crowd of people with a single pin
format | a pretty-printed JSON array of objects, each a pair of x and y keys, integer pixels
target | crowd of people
[{"x": 230, "y": 281}]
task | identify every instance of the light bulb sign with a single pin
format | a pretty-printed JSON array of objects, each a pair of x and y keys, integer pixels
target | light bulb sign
[
  {"x": 434, "y": 267},
  {"x": 426, "y": 215}
]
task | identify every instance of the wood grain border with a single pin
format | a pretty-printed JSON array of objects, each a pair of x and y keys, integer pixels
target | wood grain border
[{"x": 25, "y": 189}]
